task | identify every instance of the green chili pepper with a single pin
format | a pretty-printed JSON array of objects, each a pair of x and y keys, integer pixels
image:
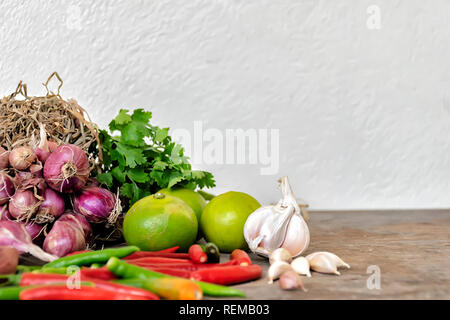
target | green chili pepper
[
  {"x": 13, "y": 279},
  {"x": 22, "y": 268},
  {"x": 87, "y": 258},
  {"x": 212, "y": 252},
  {"x": 51, "y": 270},
  {"x": 11, "y": 293},
  {"x": 125, "y": 270}
]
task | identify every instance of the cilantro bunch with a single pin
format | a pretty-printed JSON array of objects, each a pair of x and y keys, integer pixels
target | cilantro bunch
[{"x": 140, "y": 159}]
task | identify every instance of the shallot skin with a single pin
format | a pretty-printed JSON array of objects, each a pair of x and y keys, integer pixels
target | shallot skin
[
  {"x": 4, "y": 213},
  {"x": 67, "y": 169},
  {"x": 6, "y": 188},
  {"x": 4, "y": 158}
]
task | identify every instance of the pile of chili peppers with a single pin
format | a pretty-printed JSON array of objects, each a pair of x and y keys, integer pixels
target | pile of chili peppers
[{"x": 129, "y": 274}]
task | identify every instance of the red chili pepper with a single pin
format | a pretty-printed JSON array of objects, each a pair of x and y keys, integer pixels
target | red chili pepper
[
  {"x": 197, "y": 254},
  {"x": 173, "y": 272},
  {"x": 144, "y": 254},
  {"x": 241, "y": 257},
  {"x": 228, "y": 275},
  {"x": 98, "y": 273},
  {"x": 83, "y": 293},
  {"x": 159, "y": 260},
  {"x": 175, "y": 266},
  {"x": 183, "y": 266},
  {"x": 173, "y": 249},
  {"x": 30, "y": 279}
]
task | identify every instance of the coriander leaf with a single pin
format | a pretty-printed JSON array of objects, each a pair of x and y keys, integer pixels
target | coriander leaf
[
  {"x": 119, "y": 174},
  {"x": 141, "y": 116},
  {"x": 133, "y": 156},
  {"x": 138, "y": 175},
  {"x": 158, "y": 177},
  {"x": 122, "y": 119},
  {"x": 174, "y": 179},
  {"x": 133, "y": 135},
  {"x": 161, "y": 134},
  {"x": 131, "y": 191},
  {"x": 196, "y": 174},
  {"x": 105, "y": 178},
  {"x": 159, "y": 165},
  {"x": 119, "y": 157}
]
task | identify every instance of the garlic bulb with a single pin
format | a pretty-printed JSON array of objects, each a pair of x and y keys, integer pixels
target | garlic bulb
[
  {"x": 276, "y": 269},
  {"x": 301, "y": 266},
  {"x": 280, "y": 254},
  {"x": 278, "y": 226},
  {"x": 326, "y": 262}
]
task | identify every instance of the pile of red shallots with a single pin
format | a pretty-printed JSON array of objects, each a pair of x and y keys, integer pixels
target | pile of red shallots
[{"x": 48, "y": 201}]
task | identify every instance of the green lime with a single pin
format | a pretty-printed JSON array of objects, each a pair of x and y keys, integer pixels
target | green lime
[
  {"x": 192, "y": 198},
  {"x": 159, "y": 222},
  {"x": 224, "y": 217}
]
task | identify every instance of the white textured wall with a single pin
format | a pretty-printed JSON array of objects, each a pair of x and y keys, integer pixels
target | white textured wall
[{"x": 364, "y": 114}]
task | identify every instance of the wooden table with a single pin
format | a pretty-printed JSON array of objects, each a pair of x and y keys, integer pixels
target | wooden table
[{"x": 411, "y": 249}]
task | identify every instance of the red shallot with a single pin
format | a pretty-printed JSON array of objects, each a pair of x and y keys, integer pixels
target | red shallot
[
  {"x": 64, "y": 238},
  {"x": 78, "y": 220},
  {"x": 96, "y": 204},
  {"x": 52, "y": 207},
  {"x": 34, "y": 230},
  {"x": 23, "y": 204},
  {"x": 21, "y": 158},
  {"x": 67, "y": 169}
]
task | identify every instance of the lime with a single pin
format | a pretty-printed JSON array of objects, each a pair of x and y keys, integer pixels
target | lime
[
  {"x": 224, "y": 217},
  {"x": 159, "y": 222},
  {"x": 192, "y": 198}
]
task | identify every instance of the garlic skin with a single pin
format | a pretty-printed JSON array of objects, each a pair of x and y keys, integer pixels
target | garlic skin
[
  {"x": 276, "y": 269},
  {"x": 301, "y": 266},
  {"x": 326, "y": 262},
  {"x": 280, "y": 254},
  {"x": 278, "y": 226}
]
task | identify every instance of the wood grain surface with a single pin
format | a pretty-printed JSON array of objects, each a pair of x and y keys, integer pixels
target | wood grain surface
[{"x": 411, "y": 249}]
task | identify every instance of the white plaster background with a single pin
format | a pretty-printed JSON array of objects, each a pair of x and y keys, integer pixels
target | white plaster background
[{"x": 364, "y": 115}]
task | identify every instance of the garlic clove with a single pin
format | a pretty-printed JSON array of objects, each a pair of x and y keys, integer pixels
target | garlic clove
[
  {"x": 278, "y": 226},
  {"x": 339, "y": 262},
  {"x": 280, "y": 254},
  {"x": 290, "y": 280},
  {"x": 297, "y": 236},
  {"x": 326, "y": 262},
  {"x": 301, "y": 266},
  {"x": 276, "y": 269}
]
